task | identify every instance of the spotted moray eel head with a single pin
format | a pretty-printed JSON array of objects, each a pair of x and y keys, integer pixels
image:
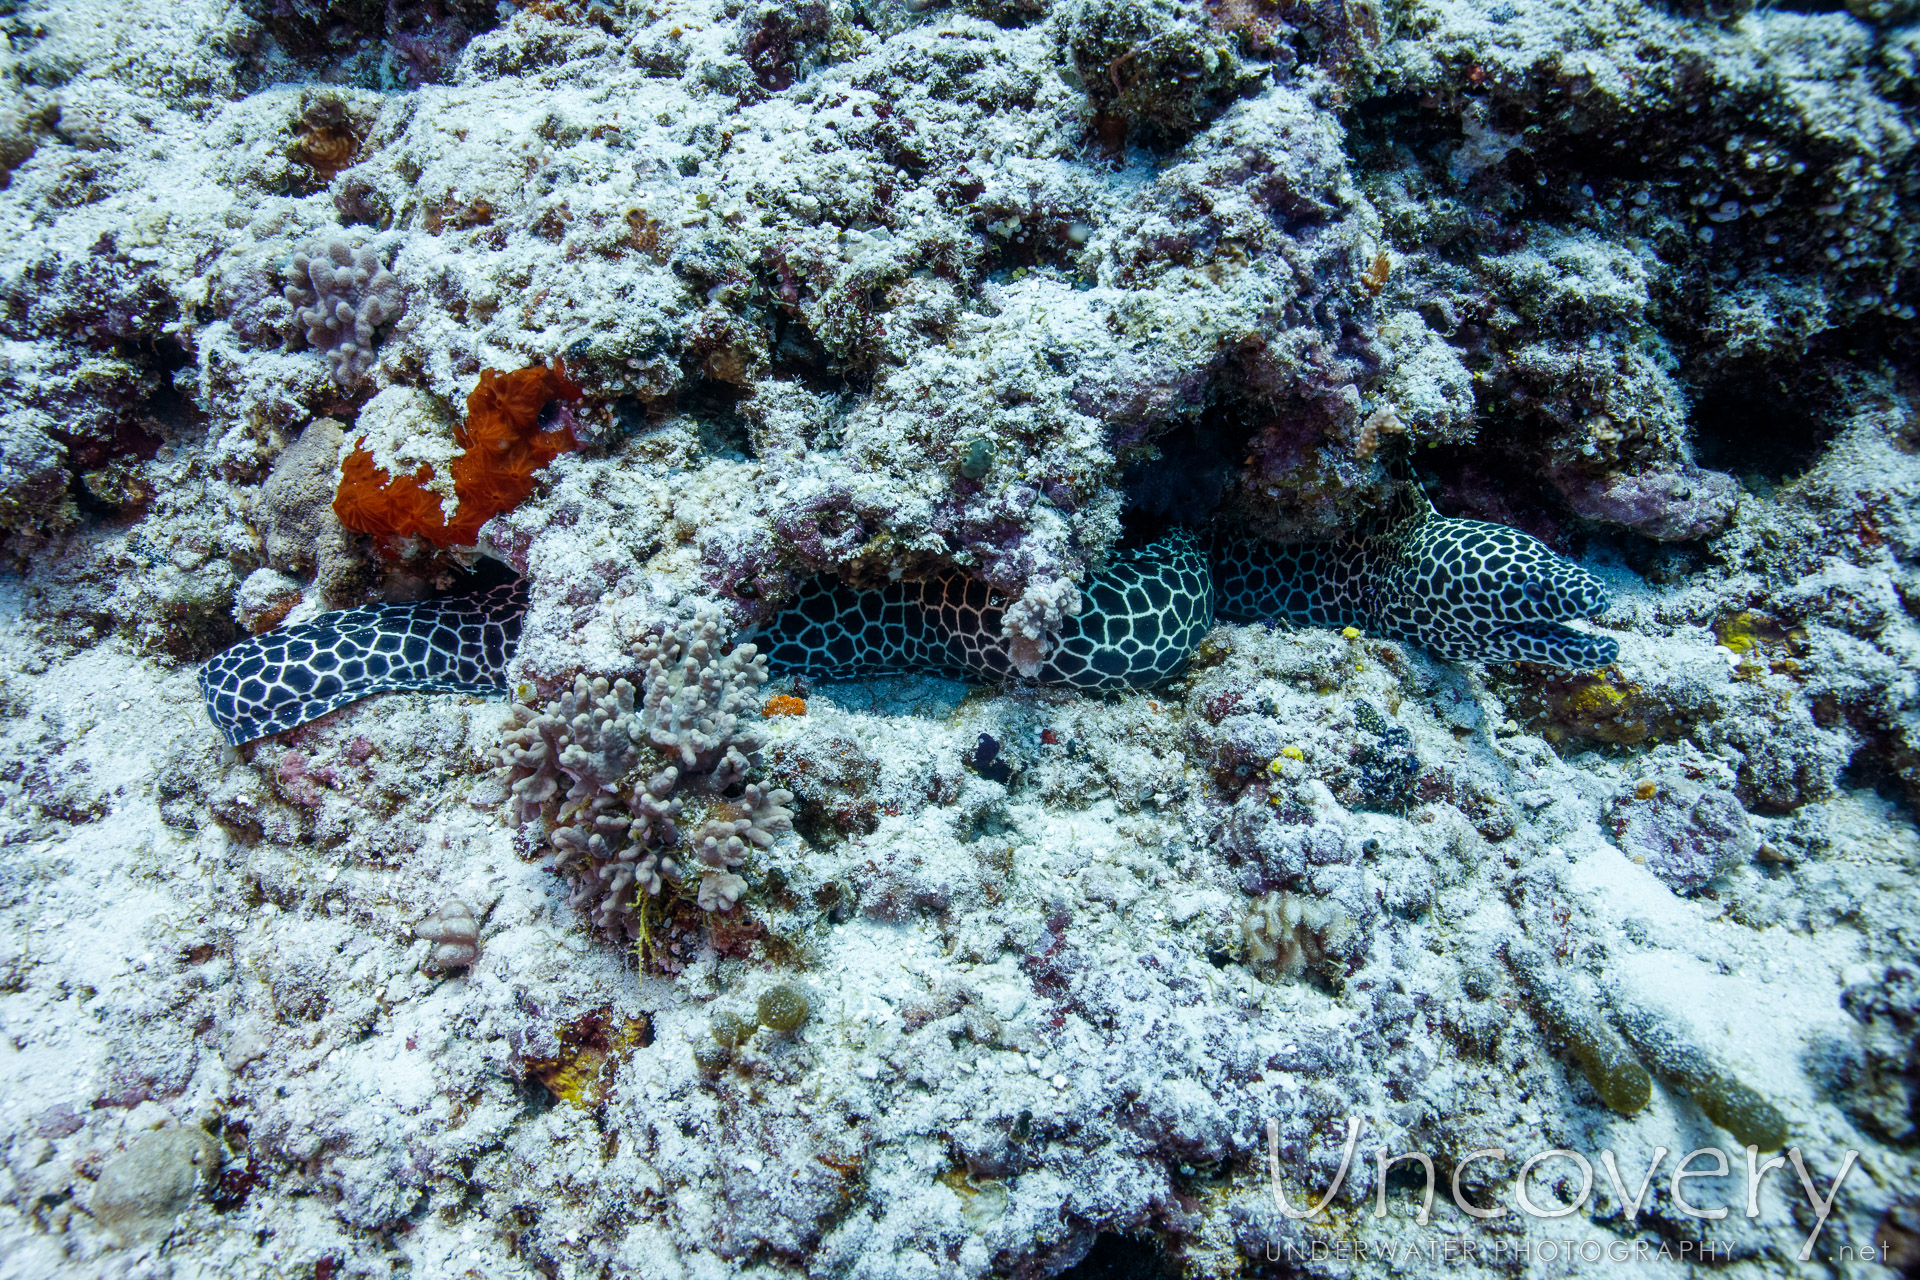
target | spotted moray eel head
[{"x": 1511, "y": 592}]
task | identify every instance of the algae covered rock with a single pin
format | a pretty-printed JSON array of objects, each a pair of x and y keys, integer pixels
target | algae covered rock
[
  {"x": 145, "y": 1188},
  {"x": 1684, "y": 833},
  {"x": 33, "y": 475},
  {"x": 1155, "y": 67},
  {"x": 1740, "y": 1109},
  {"x": 1565, "y": 1005},
  {"x": 731, "y": 1030},
  {"x": 784, "y": 1008},
  {"x": 1598, "y": 706}
]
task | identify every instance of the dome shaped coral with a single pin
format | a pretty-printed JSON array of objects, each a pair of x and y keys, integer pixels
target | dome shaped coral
[{"x": 504, "y": 445}]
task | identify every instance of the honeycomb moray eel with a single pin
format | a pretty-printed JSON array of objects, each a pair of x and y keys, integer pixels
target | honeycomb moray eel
[
  {"x": 290, "y": 675},
  {"x": 1465, "y": 589}
]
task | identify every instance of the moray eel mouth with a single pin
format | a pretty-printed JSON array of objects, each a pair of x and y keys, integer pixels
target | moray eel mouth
[
  {"x": 1474, "y": 590},
  {"x": 1540, "y": 632},
  {"x": 1570, "y": 647},
  {"x": 1571, "y": 594}
]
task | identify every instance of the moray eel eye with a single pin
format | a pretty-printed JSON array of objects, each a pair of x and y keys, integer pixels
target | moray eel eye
[{"x": 1509, "y": 592}]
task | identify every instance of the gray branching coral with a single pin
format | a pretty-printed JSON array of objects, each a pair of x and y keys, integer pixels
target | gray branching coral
[
  {"x": 341, "y": 295},
  {"x": 615, "y": 772}
]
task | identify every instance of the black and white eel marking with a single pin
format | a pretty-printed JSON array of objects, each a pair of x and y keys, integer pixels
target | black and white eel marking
[
  {"x": 1465, "y": 589},
  {"x": 290, "y": 675}
]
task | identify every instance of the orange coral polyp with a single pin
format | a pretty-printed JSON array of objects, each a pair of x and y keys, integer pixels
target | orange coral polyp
[
  {"x": 503, "y": 446},
  {"x": 372, "y": 501}
]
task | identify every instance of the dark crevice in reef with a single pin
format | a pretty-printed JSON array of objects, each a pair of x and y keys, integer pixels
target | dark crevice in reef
[
  {"x": 1660, "y": 563},
  {"x": 797, "y": 356},
  {"x": 1118, "y": 1257},
  {"x": 1478, "y": 483},
  {"x": 168, "y": 408},
  {"x": 1758, "y": 430},
  {"x": 375, "y": 43},
  {"x": 1882, "y": 764},
  {"x": 486, "y": 574},
  {"x": 1185, "y": 476},
  {"x": 92, "y": 510},
  {"x": 1379, "y": 127},
  {"x": 716, "y": 407}
]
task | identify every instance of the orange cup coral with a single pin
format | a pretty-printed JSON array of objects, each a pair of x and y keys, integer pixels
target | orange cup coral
[{"x": 504, "y": 446}]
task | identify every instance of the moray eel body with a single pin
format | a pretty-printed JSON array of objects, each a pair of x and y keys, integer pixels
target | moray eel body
[
  {"x": 1138, "y": 622},
  {"x": 1465, "y": 589},
  {"x": 290, "y": 675}
]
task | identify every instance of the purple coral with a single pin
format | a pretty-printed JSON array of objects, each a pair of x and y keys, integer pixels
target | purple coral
[
  {"x": 1676, "y": 505},
  {"x": 347, "y": 294},
  {"x": 454, "y": 933},
  {"x": 614, "y": 771}
]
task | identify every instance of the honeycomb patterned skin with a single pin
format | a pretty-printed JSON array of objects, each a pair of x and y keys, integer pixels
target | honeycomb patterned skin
[
  {"x": 1139, "y": 620},
  {"x": 290, "y": 675},
  {"x": 1465, "y": 589}
]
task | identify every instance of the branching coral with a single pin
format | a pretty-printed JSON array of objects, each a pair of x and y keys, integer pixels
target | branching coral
[
  {"x": 504, "y": 443},
  {"x": 615, "y": 772},
  {"x": 341, "y": 296}
]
